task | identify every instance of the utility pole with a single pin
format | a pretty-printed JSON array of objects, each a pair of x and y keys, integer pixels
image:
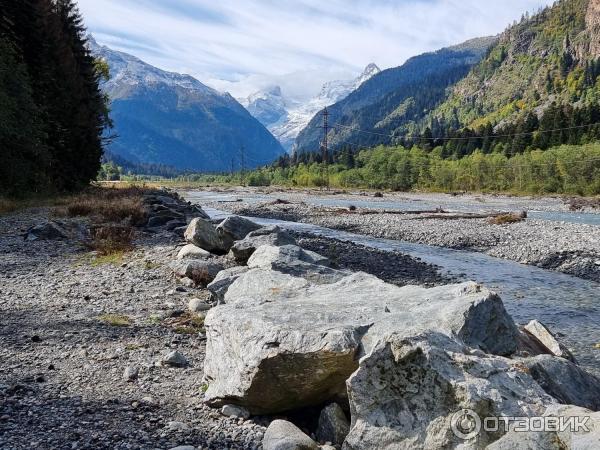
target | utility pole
[
  {"x": 325, "y": 145},
  {"x": 242, "y": 164}
]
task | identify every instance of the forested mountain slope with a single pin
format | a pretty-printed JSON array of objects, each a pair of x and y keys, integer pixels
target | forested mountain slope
[
  {"x": 391, "y": 101},
  {"x": 550, "y": 57}
]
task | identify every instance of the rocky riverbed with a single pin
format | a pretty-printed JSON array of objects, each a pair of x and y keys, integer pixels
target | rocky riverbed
[
  {"x": 84, "y": 340},
  {"x": 71, "y": 327},
  {"x": 572, "y": 248}
]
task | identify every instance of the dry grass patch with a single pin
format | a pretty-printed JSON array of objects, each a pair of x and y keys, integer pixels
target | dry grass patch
[
  {"x": 107, "y": 205},
  {"x": 7, "y": 205},
  {"x": 111, "y": 239},
  {"x": 115, "y": 320},
  {"x": 188, "y": 323},
  {"x": 505, "y": 219}
]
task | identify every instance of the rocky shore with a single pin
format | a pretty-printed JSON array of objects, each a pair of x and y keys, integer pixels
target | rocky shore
[
  {"x": 571, "y": 248},
  {"x": 232, "y": 335}
]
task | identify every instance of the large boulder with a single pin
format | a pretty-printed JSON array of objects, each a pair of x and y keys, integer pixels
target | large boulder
[
  {"x": 409, "y": 392},
  {"x": 272, "y": 349},
  {"x": 203, "y": 234},
  {"x": 565, "y": 381},
  {"x": 46, "y": 231},
  {"x": 295, "y": 261},
  {"x": 273, "y": 236},
  {"x": 201, "y": 271},
  {"x": 257, "y": 286},
  {"x": 224, "y": 280},
  {"x": 235, "y": 228}
]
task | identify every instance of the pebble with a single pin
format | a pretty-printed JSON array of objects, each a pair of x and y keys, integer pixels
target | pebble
[
  {"x": 174, "y": 359},
  {"x": 196, "y": 305},
  {"x": 177, "y": 426},
  {"x": 130, "y": 373},
  {"x": 235, "y": 411}
]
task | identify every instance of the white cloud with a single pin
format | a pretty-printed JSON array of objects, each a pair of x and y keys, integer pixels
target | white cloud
[{"x": 243, "y": 45}]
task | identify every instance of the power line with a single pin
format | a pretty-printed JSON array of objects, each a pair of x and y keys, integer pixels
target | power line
[
  {"x": 448, "y": 138},
  {"x": 325, "y": 145}
]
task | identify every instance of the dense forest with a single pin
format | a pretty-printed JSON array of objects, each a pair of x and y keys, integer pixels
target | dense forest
[
  {"x": 52, "y": 112},
  {"x": 566, "y": 169}
]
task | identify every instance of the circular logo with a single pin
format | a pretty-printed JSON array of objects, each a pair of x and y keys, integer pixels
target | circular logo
[{"x": 465, "y": 424}]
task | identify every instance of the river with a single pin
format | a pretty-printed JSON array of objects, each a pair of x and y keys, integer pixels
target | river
[{"x": 570, "y": 306}]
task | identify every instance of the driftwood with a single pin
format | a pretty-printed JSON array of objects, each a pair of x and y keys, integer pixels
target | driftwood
[
  {"x": 402, "y": 212},
  {"x": 434, "y": 214}
]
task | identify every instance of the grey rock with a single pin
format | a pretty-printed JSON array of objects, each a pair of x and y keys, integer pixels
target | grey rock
[
  {"x": 293, "y": 260},
  {"x": 199, "y": 270},
  {"x": 274, "y": 236},
  {"x": 235, "y": 228},
  {"x": 256, "y": 286},
  {"x": 196, "y": 305},
  {"x": 130, "y": 373},
  {"x": 197, "y": 211},
  {"x": 46, "y": 231},
  {"x": 333, "y": 425},
  {"x": 235, "y": 411},
  {"x": 284, "y": 435},
  {"x": 174, "y": 359},
  {"x": 540, "y": 332},
  {"x": 161, "y": 218},
  {"x": 177, "y": 426},
  {"x": 565, "y": 381},
  {"x": 203, "y": 234},
  {"x": 164, "y": 200},
  {"x": 184, "y": 447},
  {"x": 191, "y": 251},
  {"x": 408, "y": 390},
  {"x": 272, "y": 349},
  {"x": 224, "y": 279}
]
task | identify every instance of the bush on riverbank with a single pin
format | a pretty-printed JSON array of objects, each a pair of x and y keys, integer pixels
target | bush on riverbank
[{"x": 107, "y": 205}]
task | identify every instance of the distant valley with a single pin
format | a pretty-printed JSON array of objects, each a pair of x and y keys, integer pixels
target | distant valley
[{"x": 286, "y": 118}]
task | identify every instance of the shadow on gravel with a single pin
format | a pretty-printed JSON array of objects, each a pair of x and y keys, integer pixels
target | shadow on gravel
[
  {"x": 27, "y": 329},
  {"x": 34, "y": 416}
]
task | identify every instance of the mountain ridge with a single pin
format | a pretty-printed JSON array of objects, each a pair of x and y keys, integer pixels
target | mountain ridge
[
  {"x": 395, "y": 97},
  {"x": 168, "y": 118}
]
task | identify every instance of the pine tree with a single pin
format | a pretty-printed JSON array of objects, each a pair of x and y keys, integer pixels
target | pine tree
[{"x": 63, "y": 84}]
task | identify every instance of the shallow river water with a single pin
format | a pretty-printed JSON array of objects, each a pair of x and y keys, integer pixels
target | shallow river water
[{"x": 570, "y": 306}]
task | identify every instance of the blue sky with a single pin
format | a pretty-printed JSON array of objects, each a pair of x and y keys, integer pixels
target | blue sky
[{"x": 241, "y": 46}]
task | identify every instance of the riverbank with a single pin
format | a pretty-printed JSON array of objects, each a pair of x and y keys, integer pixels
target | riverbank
[
  {"x": 84, "y": 337},
  {"x": 572, "y": 248}
]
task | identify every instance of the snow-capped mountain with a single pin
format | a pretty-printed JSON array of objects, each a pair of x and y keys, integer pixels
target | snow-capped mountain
[
  {"x": 268, "y": 106},
  {"x": 286, "y": 118},
  {"x": 168, "y": 118},
  {"x": 128, "y": 71}
]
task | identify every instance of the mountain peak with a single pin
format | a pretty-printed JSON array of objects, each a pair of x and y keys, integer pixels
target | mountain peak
[{"x": 370, "y": 71}]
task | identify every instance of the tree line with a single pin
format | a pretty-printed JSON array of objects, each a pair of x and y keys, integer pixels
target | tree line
[
  {"x": 566, "y": 169},
  {"x": 52, "y": 112}
]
